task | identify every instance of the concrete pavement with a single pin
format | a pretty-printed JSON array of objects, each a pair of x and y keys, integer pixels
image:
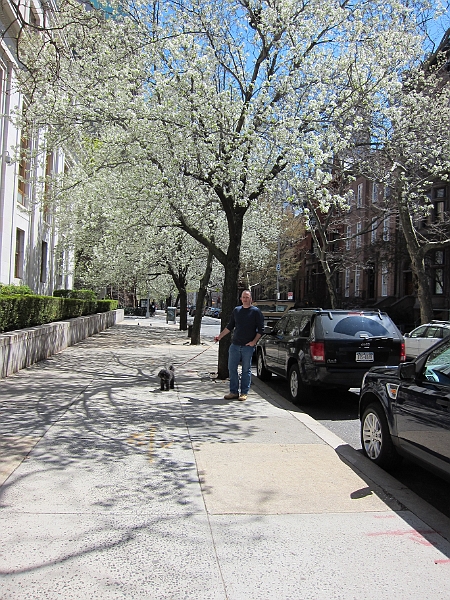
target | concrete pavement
[{"x": 111, "y": 488}]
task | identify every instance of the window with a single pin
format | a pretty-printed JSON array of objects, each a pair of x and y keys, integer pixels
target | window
[
  {"x": 386, "y": 221},
  {"x": 48, "y": 174},
  {"x": 439, "y": 257},
  {"x": 439, "y": 281},
  {"x": 440, "y": 210},
  {"x": 358, "y": 234},
  {"x": 24, "y": 167},
  {"x": 374, "y": 192},
  {"x": 19, "y": 255},
  {"x": 384, "y": 279},
  {"x": 359, "y": 196},
  {"x": 373, "y": 232},
  {"x": 44, "y": 255},
  {"x": 348, "y": 242},
  {"x": 419, "y": 332},
  {"x": 440, "y": 193},
  {"x": 347, "y": 282},
  {"x": 357, "y": 281}
]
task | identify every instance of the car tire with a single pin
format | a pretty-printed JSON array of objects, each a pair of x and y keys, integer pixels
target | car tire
[
  {"x": 299, "y": 392},
  {"x": 261, "y": 370},
  {"x": 376, "y": 439}
]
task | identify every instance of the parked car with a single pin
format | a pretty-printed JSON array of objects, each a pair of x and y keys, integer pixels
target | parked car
[
  {"x": 423, "y": 337},
  {"x": 405, "y": 411},
  {"x": 327, "y": 348},
  {"x": 273, "y": 310}
]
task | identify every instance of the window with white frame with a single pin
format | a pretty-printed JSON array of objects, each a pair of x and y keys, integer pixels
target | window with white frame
[
  {"x": 359, "y": 195},
  {"x": 348, "y": 241},
  {"x": 19, "y": 254},
  {"x": 374, "y": 192},
  {"x": 386, "y": 223},
  {"x": 358, "y": 234},
  {"x": 357, "y": 281},
  {"x": 44, "y": 260},
  {"x": 347, "y": 282},
  {"x": 384, "y": 279},
  {"x": 373, "y": 231}
]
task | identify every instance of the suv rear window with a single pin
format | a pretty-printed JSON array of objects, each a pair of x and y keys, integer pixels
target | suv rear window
[{"x": 357, "y": 326}]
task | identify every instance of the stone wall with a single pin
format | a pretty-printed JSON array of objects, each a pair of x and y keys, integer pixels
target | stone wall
[{"x": 23, "y": 347}]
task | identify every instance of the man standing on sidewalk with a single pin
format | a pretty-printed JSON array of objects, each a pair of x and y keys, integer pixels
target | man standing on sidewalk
[{"x": 247, "y": 321}]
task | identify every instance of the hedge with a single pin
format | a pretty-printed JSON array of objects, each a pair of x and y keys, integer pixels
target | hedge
[{"x": 21, "y": 311}]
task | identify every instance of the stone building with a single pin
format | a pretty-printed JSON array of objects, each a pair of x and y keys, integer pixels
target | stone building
[{"x": 31, "y": 250}]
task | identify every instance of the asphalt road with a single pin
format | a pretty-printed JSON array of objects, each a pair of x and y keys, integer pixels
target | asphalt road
[{"x": 339, "y": 414}]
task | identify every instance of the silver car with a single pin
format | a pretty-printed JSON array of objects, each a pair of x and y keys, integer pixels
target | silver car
[{"x": 423, "y": 337}]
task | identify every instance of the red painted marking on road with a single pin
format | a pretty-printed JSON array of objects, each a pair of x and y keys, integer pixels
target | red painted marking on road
[
  {"x": 415, "y": 536},
  {"x": 442, "y": 561}
]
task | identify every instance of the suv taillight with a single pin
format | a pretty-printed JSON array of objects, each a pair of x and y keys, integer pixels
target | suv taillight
[
  {"x": 402, "y": 352},
  {"x": 317, "y": 350}
]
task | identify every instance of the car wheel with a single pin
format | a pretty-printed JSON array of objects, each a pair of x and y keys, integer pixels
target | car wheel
[
  {"x": 376, "y": 439},
  {"x": 261, "y": 370},
  {"x": 298, "y": 391}
]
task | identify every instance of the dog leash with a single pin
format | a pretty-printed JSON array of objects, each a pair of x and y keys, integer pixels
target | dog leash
[{"x": 192, "y": 358}]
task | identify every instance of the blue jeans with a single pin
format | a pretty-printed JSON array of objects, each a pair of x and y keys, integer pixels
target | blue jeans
[{"x": 237, "y": 354}]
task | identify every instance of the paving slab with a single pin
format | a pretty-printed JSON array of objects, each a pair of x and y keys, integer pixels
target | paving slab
[{"x": 110, "y": 488}]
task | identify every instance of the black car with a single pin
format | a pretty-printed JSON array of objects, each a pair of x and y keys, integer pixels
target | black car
[
  {"x": 405, "y": 411},
  {"x": 327, "y": 348}
]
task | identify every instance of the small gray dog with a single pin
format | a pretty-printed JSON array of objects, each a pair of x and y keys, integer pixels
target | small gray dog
[{"x": 167, "y": 377}]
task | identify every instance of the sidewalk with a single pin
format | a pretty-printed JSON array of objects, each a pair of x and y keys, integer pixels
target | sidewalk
[{"x": 112, "y": 489}]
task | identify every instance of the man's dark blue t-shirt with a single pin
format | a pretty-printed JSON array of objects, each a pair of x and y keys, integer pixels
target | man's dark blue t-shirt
[{"x": 246, "y": 323}]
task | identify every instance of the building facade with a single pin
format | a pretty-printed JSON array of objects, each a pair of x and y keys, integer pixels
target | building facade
[
  {"x": 31, "y": 251},
  {"x": 370, "y": 264}
]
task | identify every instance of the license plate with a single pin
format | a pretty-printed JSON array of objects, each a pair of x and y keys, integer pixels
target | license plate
[{"x": 364, "y": 357}]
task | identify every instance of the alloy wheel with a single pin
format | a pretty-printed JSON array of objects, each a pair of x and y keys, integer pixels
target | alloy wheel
[{"x": 372, "y": 436}]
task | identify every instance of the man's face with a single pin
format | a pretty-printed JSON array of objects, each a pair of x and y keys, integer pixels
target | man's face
[{"x": 246, "y": 299}]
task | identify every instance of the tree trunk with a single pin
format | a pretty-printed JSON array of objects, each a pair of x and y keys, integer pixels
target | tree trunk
[
  {"x": 195, "y": 337},
  {"x": 229, "y": 301},
  {"x": 418, "y": 267},
  {"x": 179, "y": 280},
  {"x": 183, "y": 309}
]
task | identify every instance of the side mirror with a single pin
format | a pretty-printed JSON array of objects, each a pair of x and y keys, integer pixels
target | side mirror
[
  {"x": 406, "y": 335},
  {"x": 407, "y": 371}
]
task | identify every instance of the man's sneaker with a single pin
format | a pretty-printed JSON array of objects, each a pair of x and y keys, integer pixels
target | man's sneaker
[
  {"x": 231, "y": 396},
  {"x": 243, "y": 397}
]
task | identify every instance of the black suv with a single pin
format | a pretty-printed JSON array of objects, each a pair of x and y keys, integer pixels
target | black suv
[
  {"x": 327, "y": 348},
  {"x": 405, "y": 411}
]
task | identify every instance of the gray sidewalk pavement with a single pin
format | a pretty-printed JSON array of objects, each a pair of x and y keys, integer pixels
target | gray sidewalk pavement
[{"x": 111, "y": 489}]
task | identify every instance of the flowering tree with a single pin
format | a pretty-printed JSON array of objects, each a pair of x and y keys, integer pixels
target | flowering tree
[
  {"x": 410, "y": 152},
  {"x": 243, "y": 91},
  {"x": 222, "y": 98}
]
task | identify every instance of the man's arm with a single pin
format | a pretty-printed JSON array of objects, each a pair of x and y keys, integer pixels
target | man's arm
[
  {"x": 222, "y": 334},
  {"x": 254, "y": 340}
]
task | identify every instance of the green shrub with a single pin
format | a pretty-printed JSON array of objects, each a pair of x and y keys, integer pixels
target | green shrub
[
  {"x": 106, "y": 305},
  {"x": 21, "y": 311},
  {"x": 78, "y": 294},
  {"x": 12, "y": 290}
]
